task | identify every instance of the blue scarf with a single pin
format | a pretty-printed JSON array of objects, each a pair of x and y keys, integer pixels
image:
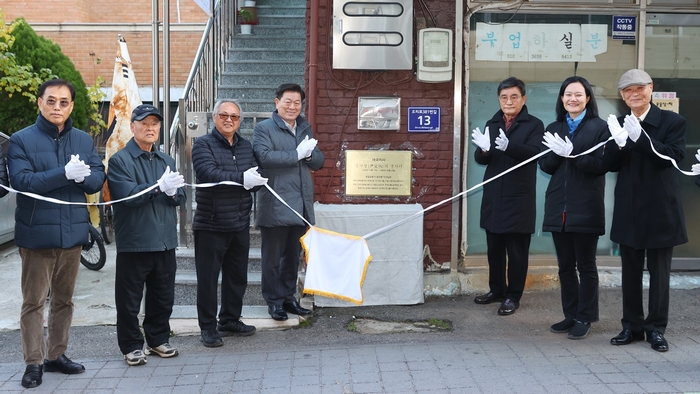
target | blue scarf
[{"x": 573, "y": 124}]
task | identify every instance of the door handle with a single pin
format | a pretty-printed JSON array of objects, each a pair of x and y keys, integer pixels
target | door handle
[{"x": 340, "y": 26}]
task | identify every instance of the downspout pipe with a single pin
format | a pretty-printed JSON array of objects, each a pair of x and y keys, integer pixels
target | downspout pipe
[{"x": 313, "y": 64}]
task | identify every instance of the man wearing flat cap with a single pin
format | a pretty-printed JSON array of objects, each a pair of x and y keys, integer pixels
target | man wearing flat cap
[
  {"x": 648, "y": 219},
  {"x": 146, "y": 235}
]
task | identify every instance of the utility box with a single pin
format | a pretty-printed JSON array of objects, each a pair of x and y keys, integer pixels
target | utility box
[{"x": 373, "y": 35}]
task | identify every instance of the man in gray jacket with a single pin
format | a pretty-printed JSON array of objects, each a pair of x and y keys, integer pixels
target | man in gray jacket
[{"x": 286, "y": 151}]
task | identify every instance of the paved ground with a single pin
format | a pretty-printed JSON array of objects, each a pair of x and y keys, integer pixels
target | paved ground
[{"x": 481, "y": 352}]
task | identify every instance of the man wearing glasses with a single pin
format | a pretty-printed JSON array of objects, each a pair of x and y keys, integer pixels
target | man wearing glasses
[
  {"x": 287, "y": 152},
  {"x": 221, "y": 223},
  {"x": 508, "y": 203},
  {"x": 52, "y": 159}
]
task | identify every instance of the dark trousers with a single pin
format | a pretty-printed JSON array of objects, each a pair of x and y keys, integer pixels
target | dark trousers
[
  {"x": 280, "y": 262},
  {"x": 579, "y": 291},
  {"x": 659, "y": 266},
  {"x": 517, "y": 248},
  {"x": 226, "y": 253},
  {"x": 156, "y": 270}
]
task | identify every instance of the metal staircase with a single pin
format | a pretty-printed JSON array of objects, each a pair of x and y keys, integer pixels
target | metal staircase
[{"x": 247, "y": 68}]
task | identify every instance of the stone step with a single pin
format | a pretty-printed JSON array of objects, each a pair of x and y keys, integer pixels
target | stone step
[
  {"x": 272, "y": 42},
  {"x": 259, "y": 54},
  {"x": 290, "y": 20},
  {"x": 289, "y": 66},
  {"x": 252, "y": 78},
  {"x": 272, "y": 31},
  {"x": 186, "y": 288},
  {"x": 185, "y": 259},
  {"x": 183, "y": 320},
  {"x": 298, "y": 9}
]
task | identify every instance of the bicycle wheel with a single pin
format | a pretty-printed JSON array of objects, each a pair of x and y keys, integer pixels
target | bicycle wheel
[
  {"x": 106, "y": 223},
  {"x": 93, "y": 256}
]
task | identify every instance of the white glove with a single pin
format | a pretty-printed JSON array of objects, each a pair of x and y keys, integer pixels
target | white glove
[
  {"x": 559, "y": 146},
  {"x": 501, "y": 141},
  {"x": 633, "y": 128},
  {"x": 483, "y": 141},
  {"x": 619, "y": 134},
  {"x": 76, "y": 169},
  {"x": 305, "y": 147},
  {"x": 251, "y": 178},
  {"x": 696, "y": 169},
  {"x": 170, "y": 182}
]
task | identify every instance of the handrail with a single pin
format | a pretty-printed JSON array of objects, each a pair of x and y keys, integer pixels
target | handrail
[{"x": 200, "y": 93}]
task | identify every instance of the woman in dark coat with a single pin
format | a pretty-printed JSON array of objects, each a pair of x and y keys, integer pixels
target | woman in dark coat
[{"x": 574, "y": 209}]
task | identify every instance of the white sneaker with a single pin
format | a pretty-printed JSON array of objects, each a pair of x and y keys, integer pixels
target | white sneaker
[
  {"x": 135, "y": 358},
  {"x": 165, "y": 350}
]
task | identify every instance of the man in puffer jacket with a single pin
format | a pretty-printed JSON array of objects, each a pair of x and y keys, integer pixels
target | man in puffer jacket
[
  {"x": 52, "y": 159},
  {"x": 222, "y": 223}
]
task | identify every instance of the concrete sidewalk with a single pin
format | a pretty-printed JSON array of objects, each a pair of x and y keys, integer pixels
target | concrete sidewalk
[{"x": 481, "y": 352}]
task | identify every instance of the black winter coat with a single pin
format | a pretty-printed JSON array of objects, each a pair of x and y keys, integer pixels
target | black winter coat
[
  {"x": 577, "y": 187},
  {"x": 225, "y": 207},
  {"x": 648, "y": 211},
  {"x": 508, "y": 203}
]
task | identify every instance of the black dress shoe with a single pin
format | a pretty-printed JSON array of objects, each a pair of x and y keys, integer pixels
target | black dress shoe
[
  {"x": 32, "y": 376},
  {"x": 489, "y": 298},
  {"x": 295, "y": 308},
  {"x": 63, "y": 365},
  {"x": 657, "y": 340},
  {"x": 508, "y": 307},
  {"x": 626, "y": 336},
  {"x": 277, "y": 312}
]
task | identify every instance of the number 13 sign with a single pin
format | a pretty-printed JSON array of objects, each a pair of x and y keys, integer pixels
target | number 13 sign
[{"x": 424, "y": 119}]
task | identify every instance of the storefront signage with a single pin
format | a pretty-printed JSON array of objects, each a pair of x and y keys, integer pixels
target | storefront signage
[
  {"x": 378, "y": 173},
  {"x": 424, "y": 119},
  {"x": 624, "y": 27},
  {"x": 666, "y": 100},
  {"x": 522, "y": 42}
]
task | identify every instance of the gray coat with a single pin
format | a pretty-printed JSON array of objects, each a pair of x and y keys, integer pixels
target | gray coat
[{"x": 275, "y": 150}]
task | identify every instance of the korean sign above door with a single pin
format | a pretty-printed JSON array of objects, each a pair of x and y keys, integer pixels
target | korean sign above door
[{"x": 521, "y": 42}]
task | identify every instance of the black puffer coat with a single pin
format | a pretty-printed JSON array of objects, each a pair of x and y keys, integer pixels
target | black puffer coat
[
  {"x": 508, "y": 203},
  {"x": 577, "y": 187},
  {"x": 225, "y": 207}
]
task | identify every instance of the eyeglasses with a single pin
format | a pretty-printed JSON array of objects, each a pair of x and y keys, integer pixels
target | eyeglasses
[
  {"x": 290, "y": 103},
  {"x": 514, "y": 97},
  {"x": 234, "y": 117},
  {"x": 52, "y": 103}
]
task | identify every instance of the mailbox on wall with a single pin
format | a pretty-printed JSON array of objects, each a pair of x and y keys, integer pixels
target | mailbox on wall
[{"x": 373, "y": 35}]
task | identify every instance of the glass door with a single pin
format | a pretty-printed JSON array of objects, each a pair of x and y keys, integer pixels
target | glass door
[{"x": 672, "y": 58}]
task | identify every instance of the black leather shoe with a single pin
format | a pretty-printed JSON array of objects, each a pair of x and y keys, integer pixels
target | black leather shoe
[
  {"x": 63, "y": 365},
  {"x": 508, "y": 307},
  {"x": 657, "y": 340},
  {"x": 32, "y": 376},
  {"x": 295, "y": 308},
  {"x": 625, "y": 337},
  {"x": 277, "y": 312},
  {"x": 489, "y": 298}
]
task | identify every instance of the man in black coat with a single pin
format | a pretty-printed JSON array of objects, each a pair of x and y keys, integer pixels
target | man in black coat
[
  {"x": 508, "y": 203},
  {"x": 221, "y": 223},
  {"x": 648, "y": 219}
]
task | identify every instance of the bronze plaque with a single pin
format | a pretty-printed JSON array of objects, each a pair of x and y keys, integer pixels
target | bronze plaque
[{"x": 378, "y": 173}]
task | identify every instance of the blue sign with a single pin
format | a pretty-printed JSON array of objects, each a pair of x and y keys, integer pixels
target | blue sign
[
  {"x": 624, "y": 27},
  {"x": 424, "y": 119}
]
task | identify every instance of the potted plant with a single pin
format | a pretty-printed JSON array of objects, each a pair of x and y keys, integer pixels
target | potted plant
[{"x": 247, "y": 18}]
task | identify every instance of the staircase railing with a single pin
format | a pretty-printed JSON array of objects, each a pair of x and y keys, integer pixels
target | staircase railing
[{"x": 200, "y": 93}]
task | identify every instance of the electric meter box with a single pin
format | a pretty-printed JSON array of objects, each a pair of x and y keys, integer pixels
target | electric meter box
[
  {"x": 434, "y": 55},
  {"x": 373, "y": 35}
]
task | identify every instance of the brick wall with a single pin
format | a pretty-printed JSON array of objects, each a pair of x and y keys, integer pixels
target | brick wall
[
  {"x": 337, "y": 132},
  {"x": 102, "y": 41}
]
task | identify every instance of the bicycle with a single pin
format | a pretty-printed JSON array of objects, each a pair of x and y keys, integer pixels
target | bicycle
[{"x": 93, "y": 256}]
